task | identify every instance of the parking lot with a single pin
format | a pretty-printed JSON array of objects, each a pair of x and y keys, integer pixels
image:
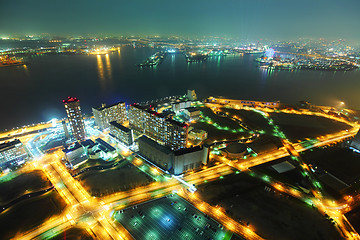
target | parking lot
[{"x": 170, "y": 217}]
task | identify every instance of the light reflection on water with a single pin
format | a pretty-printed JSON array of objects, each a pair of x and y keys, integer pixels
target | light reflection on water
[
  {"x": 108, "y": 66},
  {"x": 100, "y": 69},
  {"x": 116, "y": 77}
]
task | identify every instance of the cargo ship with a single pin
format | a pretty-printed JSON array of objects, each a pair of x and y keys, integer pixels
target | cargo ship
[{"x": 154, "y": 60}]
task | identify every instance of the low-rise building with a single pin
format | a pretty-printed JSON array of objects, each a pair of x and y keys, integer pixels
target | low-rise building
[
  {"x": 75, "y": 154},
  {"x": 191, "y": 95},
  {"x": 180, "y": 105},
  {"x": 89, "y": 146},
  {"x": 243, "y": 103},
  {"x": 78, "y": 153},
  {"x": 176, "y": 162},
  {"x": 12, "y": 153},
  {"x": 108, "y": 151},
  {"x": 122, "y": 133},
  {"x": 197, "y": 135},
  {"x": 192, "y": 113}
]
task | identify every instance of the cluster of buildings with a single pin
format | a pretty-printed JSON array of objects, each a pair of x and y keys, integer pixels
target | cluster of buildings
[
  {"x": 158, "y": 137},
  {"x": 78, "y": 152}
]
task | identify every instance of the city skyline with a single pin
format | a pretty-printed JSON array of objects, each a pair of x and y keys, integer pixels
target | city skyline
[{"x": 246, "y": 20}]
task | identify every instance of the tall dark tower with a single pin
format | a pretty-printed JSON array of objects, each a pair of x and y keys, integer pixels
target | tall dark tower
[{"x": 73, "y": 111}]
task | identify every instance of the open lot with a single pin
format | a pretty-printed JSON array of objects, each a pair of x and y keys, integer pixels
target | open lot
[
  {"x": 73, "y": 234},
  {"x": 169, "y": 217},
  {"x": 28, "y": 214},
  {"x": 271, "y": 214},
  {"x": 354, "y": 218},
  {"x": 120, "y": 178},
  {"x": 23, "y": 184},
  {"x": 291, "y": 177},
  {"x": 299, "y": 127},
  {"x": 341, "y": 162}
]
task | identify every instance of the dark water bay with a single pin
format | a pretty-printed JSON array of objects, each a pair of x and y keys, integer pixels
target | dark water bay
[{"x": 33, "y": 93}]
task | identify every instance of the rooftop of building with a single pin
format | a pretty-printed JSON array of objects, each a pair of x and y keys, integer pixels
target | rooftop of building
[
  {"x": 88, "y": 143},
  {"x": 192, "y": 109},
  {"x": 120, "y": 126},
  {"x": 103, "y": 106},
  {"x": 155, "y": 113},
  {"x": 187, "y": 150},
  {"x": 70, "y": 100},
  {"x": 77, "y": 161},
  {"x": 154, "y": 144},
  {"x": 138, "y": 106},
  {"x": 178, "y": 101},
  {"x": 196, "y": 130},
  {"x": 180, "y": 124},
  {"x": 72, "y": 147},
  {"x": 9, "y": 144},
  {"x": 105, "y": 144},
  {"x": 236, "y": 148}
]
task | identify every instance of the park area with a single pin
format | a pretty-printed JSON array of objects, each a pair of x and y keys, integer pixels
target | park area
[{"x": 219, "y": 127}]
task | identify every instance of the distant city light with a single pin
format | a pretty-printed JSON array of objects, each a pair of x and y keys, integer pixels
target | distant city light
[{"x": 270, "y": 53}]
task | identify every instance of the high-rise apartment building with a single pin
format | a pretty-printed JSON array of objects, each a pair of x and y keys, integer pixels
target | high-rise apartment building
[
  {"x": 175, "y": 134},
  {"x": 156, "y": 126},
  {"x": 106, "y": 114},
  {"x": 76, "y": 121},
  {"x": 136, "y": 114}
]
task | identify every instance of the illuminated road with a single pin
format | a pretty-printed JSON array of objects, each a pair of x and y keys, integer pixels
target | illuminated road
[
  {"x": 82, "y": 208},
  {"x": 98, "y": 212},
  {"x": 218, "y": 214}
]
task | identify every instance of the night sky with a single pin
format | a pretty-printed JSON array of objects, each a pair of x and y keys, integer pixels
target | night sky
[{"x": 278, "y": 19}]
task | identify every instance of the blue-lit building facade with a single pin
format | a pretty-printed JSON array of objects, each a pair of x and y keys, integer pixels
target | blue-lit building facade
[{"x": 12, "y": 153}]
